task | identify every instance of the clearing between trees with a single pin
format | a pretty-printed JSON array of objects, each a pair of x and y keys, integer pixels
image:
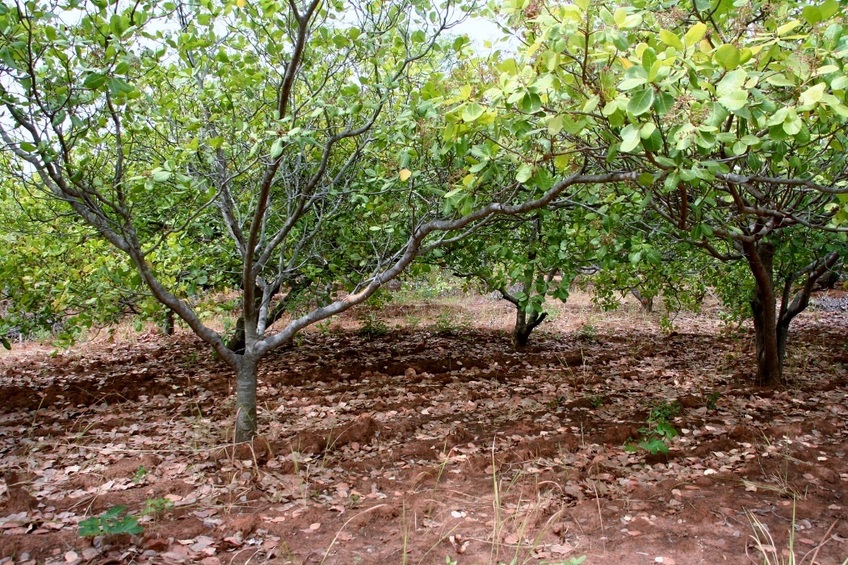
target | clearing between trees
[{"x": 415, "y": 434}]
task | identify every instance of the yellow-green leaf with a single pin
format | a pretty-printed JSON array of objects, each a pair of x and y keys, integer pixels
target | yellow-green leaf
[
  {"x": 671, "y": 39},
  {"x": 525, "y": 171},
  {"x": 695, "y": 33},
  {"x": 787, "y": 27},
  {"x": 619, "y": 16},
  {"x": 555, "y": 124},
  {"x": 630, "y": 138},
  {"x": 812, "y": 95}
]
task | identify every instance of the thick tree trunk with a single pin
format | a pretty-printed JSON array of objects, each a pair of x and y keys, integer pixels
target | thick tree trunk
[
  {"x": 520, "y": 333},
  {"x": 237, "y": 340},
  {"x": 760, "y": 258},
  {"x": 769, "y": 357},
  {"x": 524, "y": 326},
  {"x": 246, "y": 399}
]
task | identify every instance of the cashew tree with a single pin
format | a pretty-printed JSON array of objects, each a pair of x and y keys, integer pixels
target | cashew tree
[
  {"x": 273, "y": 122},
  {"x": 733, "y": 116}
]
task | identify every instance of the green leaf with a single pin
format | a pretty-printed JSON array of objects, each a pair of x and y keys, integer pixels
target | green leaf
[
  {"x": 829, "y": 8},
  {"x": 641, "y": 102},
  {"x": 530, "y": 103},
  {"x": 94, "y": 81},
  {"x": 118, "y": 85},
  {"x": 160, "y": 176},
  {"x": 779, "y": 80},
  {"x": 787, "y": 27},
  {"x": 277, "y": 148},
  {"x": 5, "y": 342},
  {"x": 472, "y": 111},
  {"x": 554, "y": 124},
  {"x": 735, "y": 100},
  {"x": 631, "y": 83},
  {"x": 792, "y": 124},
  {"x": 663, "y": 103},
  {"x": 649, "y": 57},
  {"x": 654, "y": 446},
  {"x": 730, "y": 90},
  {"x": 728, "y": 56},
  {"x": 525, "y": 171},
  {"x": 630, "y": 138},
  {"x": 812, "y": 14},
  {"x": 839, "y": 83}
]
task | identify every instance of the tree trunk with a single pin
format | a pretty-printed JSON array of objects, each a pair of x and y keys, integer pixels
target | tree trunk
[
  {"x": 524, "y": 326},
  {"x": 168, "y": 322},
  {"x": 769, "y": 357},
  {"x": 782, "y": 336},
  {"x": 760, "y": 257},
  {"x": 520, "y": 333},
  {"x": 237, "y": 340},
  {"x": 647, "y": 302},
  {"x": 246, "y": 399}
]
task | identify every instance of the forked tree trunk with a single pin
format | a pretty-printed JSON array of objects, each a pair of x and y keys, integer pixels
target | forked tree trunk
[
  {"x": 246, "y": 399},
  {"x": 237, "y": 340},
  {"x": 771, "y": 325},
  {"x": 524, "y": 326}
]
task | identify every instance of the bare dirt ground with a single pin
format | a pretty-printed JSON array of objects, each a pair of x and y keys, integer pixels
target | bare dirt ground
[{"x": 435, "y": 443}]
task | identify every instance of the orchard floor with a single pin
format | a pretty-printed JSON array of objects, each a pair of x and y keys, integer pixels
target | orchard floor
[{"x": 434, "y": 444}]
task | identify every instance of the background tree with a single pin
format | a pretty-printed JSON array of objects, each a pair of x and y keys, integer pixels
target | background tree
[
  {"x": 732, "y": 115},
  {"x": 523, "y": 260}
]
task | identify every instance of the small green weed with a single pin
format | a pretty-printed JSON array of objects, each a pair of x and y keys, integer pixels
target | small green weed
[
  {"x": 664, "y": 411},
  {"x": 712, "y": 400},
  {"x": 654, "y": 439},
  {"x": 373, "y": 325},
  {"x": 155, "y": 507},
  {"x": 588, "y": 332},
  {"x": 659, "y": 432},
  {"x": 113, "y": 522},
  {"x": 139, "y": 474}
]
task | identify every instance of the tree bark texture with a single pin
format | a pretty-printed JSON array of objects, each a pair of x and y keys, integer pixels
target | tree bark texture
[
  {"x": 524, "y": 326},
  {"x": 760, "y": 256},
  {"x": 246, "y": 399}
]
